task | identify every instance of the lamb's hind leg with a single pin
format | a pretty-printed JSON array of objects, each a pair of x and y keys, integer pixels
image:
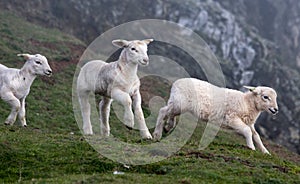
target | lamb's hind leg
[
  {"x": 104, "y": 110},
  {"x": 15, "y": 107},
  {"x": 85, "y": 112}
]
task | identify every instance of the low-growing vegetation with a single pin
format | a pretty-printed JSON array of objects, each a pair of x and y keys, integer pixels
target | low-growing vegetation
[{"x": 52, "y": 149}]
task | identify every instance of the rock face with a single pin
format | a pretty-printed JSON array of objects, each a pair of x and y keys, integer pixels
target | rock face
[
  {"x": 257, "y": 41},
  {"x": 275, "y": 20}
]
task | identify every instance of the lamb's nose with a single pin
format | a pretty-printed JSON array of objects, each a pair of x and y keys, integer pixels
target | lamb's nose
[
  {"x": 48, "y": 72},
  {"x": 145, "y": 60},
  {"x": 276, "y": 109}
]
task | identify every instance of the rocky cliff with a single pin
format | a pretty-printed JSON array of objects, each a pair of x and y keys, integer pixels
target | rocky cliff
[
  {"x": 275, "y": 20},
  {"x": 257, "y": 41}
]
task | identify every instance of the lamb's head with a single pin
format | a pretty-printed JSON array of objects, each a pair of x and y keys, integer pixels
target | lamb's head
[
  {"x": 265, "y": 99},
  {"x": 135, "y": 51},
  {"x": 38, "y": 64}
]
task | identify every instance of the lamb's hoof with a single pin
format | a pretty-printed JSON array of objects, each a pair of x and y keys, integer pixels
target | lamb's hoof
[
  {"x": 146, "y": 135},
  {"x": 251, "y": 148},
  {"x": 7, "y": 123},
  {"x": 128, "y": 127},
  {"x": 156, "y": 136},
  {"x": 105, "y": 134},
  {"x": 267, "y": 152},
  {"x": 24, "y": 126},
  {"x": 167, "y": 129},
  {"x": 88, "y": 133}
]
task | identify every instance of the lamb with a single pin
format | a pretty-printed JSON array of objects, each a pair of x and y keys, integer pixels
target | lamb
[
  {"x": 15, "y": 84},
  {"x": 239, "y": 111},
  {"x": 115, "y": 81}
]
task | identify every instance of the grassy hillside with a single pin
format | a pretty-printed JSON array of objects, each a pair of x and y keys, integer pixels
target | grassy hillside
[
  {"x": 17, "y": 36},
  {"x": 29, "y": 155},
  {"x": 52, "y": 150}
]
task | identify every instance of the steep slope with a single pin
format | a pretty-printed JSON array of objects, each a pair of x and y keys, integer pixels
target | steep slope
[
  {"x": 33, "y": 156},
  {"x": 52, "y": 150},
  {"x": 256, "y": 41}
]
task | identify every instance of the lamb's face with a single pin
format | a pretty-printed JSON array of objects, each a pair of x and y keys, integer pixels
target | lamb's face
[
  {"x": 135, "y": 51},
  {"x": 39, "y": 65},
  {"x": 266, "y": 99}
]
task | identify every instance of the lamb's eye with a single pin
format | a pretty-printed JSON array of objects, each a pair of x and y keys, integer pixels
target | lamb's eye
[
  {"x": 134, "y": 49},
  {"x": 38, "y": 62},
  {"x": 266, "y": 97}
]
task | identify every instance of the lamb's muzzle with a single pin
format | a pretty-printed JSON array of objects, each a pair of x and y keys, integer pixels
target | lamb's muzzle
[
  {"x": 48, "y": 73},
  {"x": 273, "y": 110},
  {"x": 145, "y": 61}
]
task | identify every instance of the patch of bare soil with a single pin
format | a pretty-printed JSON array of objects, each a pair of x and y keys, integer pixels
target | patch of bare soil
[
  {"x": 76, "y": 51},
  {"x": 59, "y": 65},
  {"x": 249, "y": 163},
  {"x": 282, "y": 152}
]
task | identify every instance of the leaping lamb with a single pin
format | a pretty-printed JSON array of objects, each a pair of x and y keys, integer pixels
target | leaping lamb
[
  {"x": 235, "y": 109},
  {"x": 115, "y": 81},
  {"x": 15, "y": 84}
]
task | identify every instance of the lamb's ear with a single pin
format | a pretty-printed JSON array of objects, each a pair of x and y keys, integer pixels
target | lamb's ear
[
  {"x": 252, "y": 89},
  {"x": 120, "y": 43},
  {"x": 147, "y": 41},
  {"x": 26, "y": 56}
]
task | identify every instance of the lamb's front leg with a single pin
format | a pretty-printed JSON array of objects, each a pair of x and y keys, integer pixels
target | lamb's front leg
[
  {"x": 126, "y": 101},
  {"x": 15, "y": 107},
  {"x": 243, "y": 129},
  {"x": 258, "y": 141},
  {"x": 104, "y": 110},
  {"x": 139, "y": 116},
  {"x": 160, "y": 123}
]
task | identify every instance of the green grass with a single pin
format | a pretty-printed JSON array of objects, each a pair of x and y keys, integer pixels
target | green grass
[
  {"x": 52, "y": 150},
  {"x": 28, "y": 154},
  {"x": 19, "y": 36}
]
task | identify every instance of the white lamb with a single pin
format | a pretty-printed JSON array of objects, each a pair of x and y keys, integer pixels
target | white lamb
[
  {"x": 236, "y": 109},
  {"x": 15, "y": 84},
  {"x": 115, "y": 81}
]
